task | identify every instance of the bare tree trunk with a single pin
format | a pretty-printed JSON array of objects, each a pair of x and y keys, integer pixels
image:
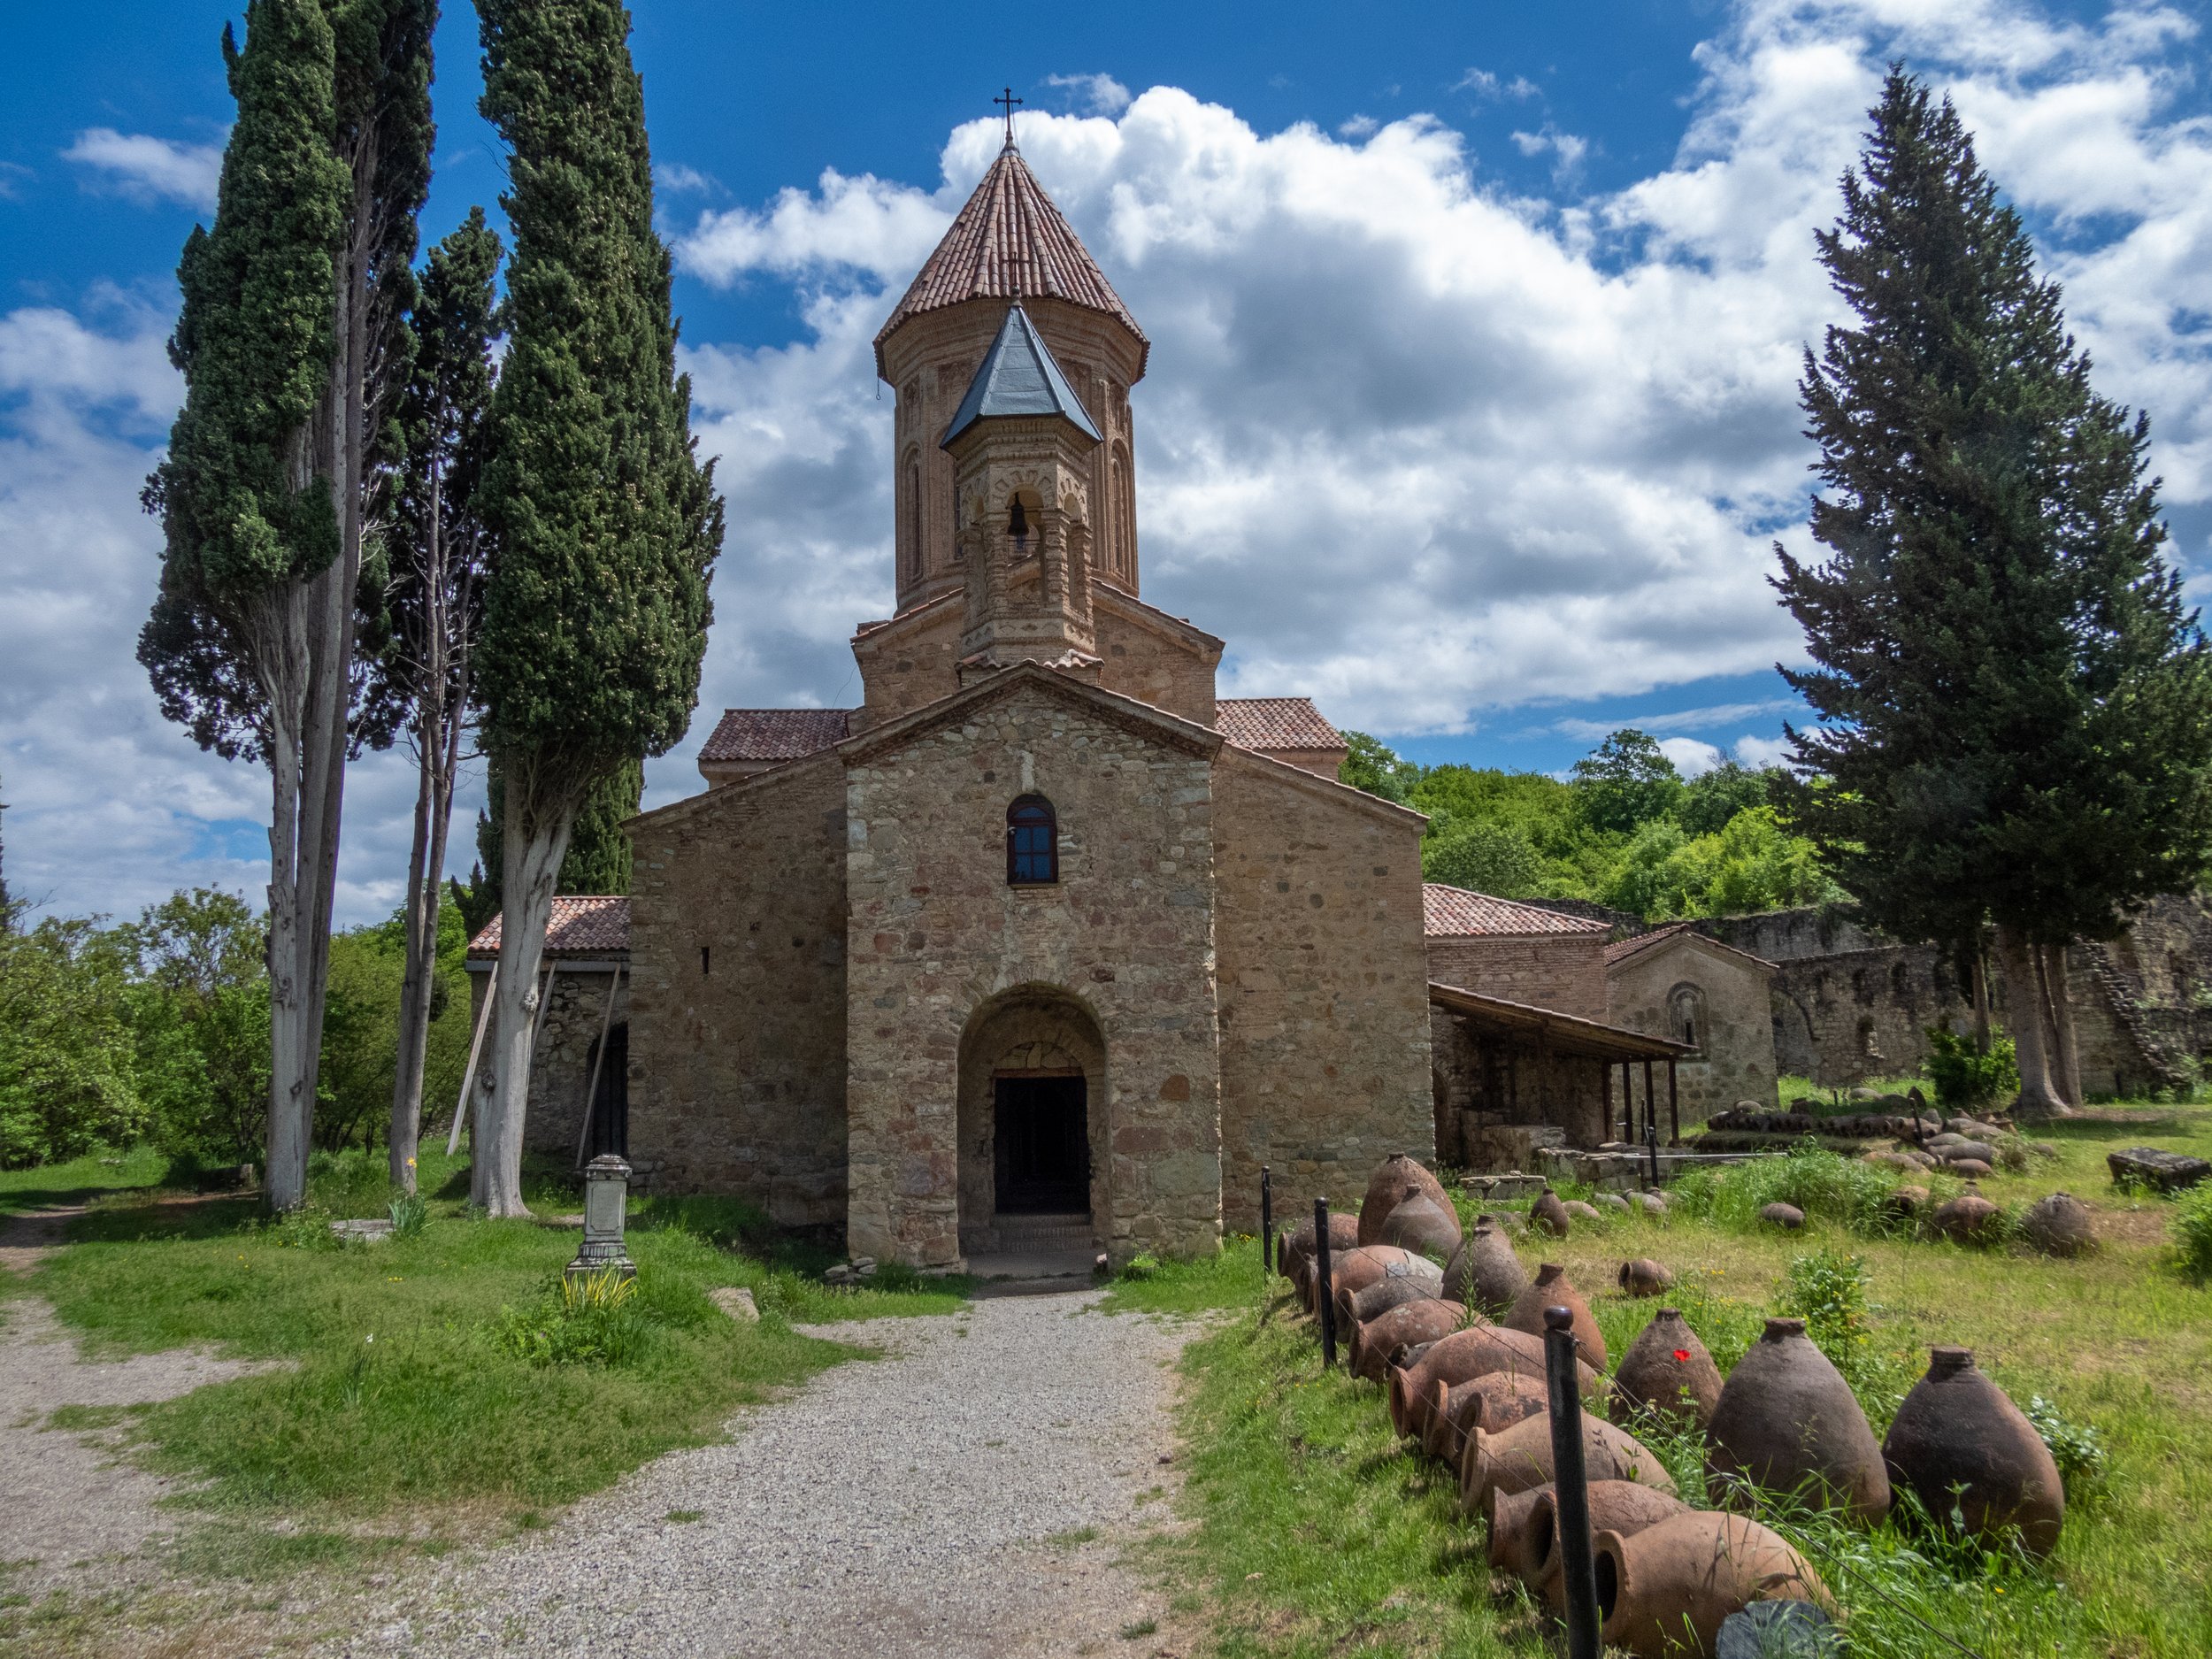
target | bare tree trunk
[
  {"x": 1980, "y": 971},
  {"x": 2024, "y": 1002},
  {"x": 541, "y": 810},
  {"x": 279, "y": 629},
  {"x": 426, "y": 861},
  {"x": 2065, "y": 1053}
]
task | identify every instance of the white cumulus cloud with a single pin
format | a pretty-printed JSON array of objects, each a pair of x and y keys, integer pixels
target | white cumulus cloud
[
  {"x": 148, "y": 169},
  {"x": 1098, "y": 94}
]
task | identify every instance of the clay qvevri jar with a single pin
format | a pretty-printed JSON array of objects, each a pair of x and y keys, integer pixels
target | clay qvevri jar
[
  {"x": 1644, "y": 1277},
  {"x": 1789, "y": 1217},
  {"x": 1667, "y": 1370},
  {"x": 1422, "y": 1223},
  {"x": 1665, "y": 1591},
  {"x": 1577, "y": 1210},
  {"x": 1380, "y": 1297},
  {"x": 1509, "y": 1530},
  {"x": 1548, "y": 1214},
  {"x": 1491, "y": 1403},
  {"x": 1515, "y": 1459},
  {"x": 1789, "y": 1423},
  {"x": 1483, "y": 1272},
  {"x": 1972, "y": 1168},
  {"x": 1477, "y": 1351},
  {"x": 1551, "y": 1289},
  {"x": 1621, "y": 1506},
  {"x": 1372, "y": 1341},
  {"x": 1297, "y": 1251},
  {"x": 1399, "y": 1177},
  {"x": 2060, "y": 1225},
  {"x": 1969, "y": 1219},
  {"x": 1958, "y": 1443},
  {"x": 1908, "y": 1202},
  {"x": 1372, "y": 1263}
]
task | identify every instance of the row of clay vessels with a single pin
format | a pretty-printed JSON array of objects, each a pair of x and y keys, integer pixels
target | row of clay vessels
[{"x": 1473, "y": 1393}]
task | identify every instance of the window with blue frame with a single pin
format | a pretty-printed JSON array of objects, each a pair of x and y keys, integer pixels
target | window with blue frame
[{"x": 1033, "y": 843}]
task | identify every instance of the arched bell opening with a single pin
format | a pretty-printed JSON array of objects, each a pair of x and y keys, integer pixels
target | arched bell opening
[{"x": 1032, "y": 1125}]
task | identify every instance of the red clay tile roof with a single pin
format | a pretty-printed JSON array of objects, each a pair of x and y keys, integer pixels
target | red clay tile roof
[
  {"x": 1274, "y": 723},
  {"x": 1009, "y": 242},
  {"x": 774, "y": 734},
  {"x": 583, "y": 925},
  {"x": 1455, "y": 913}
]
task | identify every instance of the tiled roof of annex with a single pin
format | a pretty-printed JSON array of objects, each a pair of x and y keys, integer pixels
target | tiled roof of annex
[
  {"x": 758, "y": 734},
  {"x": 1622, "y": 949},
  {"x": 583, "y": 925},
  {"x": 1274, "y": 723},
  {"x": 1457, "y": 913},
  {"x": 1009, "y": 242}
]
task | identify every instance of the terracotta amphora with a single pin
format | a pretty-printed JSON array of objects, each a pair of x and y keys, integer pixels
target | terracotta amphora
[
  {"x": 1374, "y": 1341},
  {"x": 1515, "y": 1459},
  {"x": 1667, "y": 1370},
  {"x": 1548, "y": 1214},
  {"x": 1962, "y": 1446},
  {"x": 1422, "y": 1224},
  {"x": 1644, "y": 1277},
  {"x": 1551, "y": 1289},
  {"x": 1299, "y": 1251},
  {"x": 1477, "y": 1351},
  {"x": 1969, "y": 1219},
  {"x": 1621, "y": 1506},
  {"x": 1380, "y": 1297},
  {"x": 1372, "y": 1263},
  {"x": 2061, "y": 1224},
  {"x": 1490, "y": 1402},
  {"x": 1483, "y": 1272},
  {"x": 1400, "y": 1177},
  {"x": 1666, "y": 1590},
  {"x": 1789, "y": 1423}
]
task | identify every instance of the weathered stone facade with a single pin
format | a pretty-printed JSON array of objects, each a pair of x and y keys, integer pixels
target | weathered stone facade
[
  {"x": 1561, "y": 971},
  {"x": 1678, "y": 984}
]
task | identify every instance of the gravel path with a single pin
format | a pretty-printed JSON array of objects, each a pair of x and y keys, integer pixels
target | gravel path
[
  {"x": 74, "y": 1512},
  {"x": 935, "y": 1502}
]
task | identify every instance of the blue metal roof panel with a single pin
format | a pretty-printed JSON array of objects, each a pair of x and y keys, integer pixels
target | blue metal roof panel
[{"x": 1019, "y": 377}]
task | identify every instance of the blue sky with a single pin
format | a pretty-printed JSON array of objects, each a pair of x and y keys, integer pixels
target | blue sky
[{"x": 1476, "y": 328}]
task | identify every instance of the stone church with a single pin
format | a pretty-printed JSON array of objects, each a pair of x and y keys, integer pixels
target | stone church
[{"x": 1043, "y": 945}]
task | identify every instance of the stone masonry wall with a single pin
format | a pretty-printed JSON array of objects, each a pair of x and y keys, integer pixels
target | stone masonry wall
[
  {"x": 1735, "y": 1034},
  {"x": 1324, "y": 1023},
  {"x": 737, "y": 1059},
  {"x": 560, "y": 1065},
  {"x": 936, "y": 932},
  {"x": 1565, "y": 972},
  {"x": 1142, "y": 662}
]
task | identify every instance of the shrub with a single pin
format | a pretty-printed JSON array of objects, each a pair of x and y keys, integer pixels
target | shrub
[
  {"x": 2077, "y": 1449},
  {"x": 1827, "y": 1289},
  {"x": 1819, "y": 1182},
  {"x": 409, "y": 1212},
  {"x": 2192, "y": 1227},
  {"x": 593, "y": 1320},
  {"x": 1965, "y": 1077}
]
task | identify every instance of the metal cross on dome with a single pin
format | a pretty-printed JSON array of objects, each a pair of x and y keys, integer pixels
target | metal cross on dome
[{"x": 1011, "y": 104}]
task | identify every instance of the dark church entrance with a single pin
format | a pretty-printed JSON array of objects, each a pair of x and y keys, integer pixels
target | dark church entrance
[{"x": 1042, "y": 1137}]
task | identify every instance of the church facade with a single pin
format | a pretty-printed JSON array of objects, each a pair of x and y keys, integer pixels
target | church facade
[{"x": 1043, "y": 939}]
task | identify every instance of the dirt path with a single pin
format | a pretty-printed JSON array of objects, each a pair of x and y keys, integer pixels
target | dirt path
[
  {"x": 76, "y": 1514},
  {"x": 965, "y": 1497}
]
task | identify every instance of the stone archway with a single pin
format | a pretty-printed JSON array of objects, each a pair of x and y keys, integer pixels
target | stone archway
[{"x": 1032, "y": 1122}]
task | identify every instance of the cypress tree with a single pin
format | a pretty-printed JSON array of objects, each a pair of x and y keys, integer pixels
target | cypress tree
[
  {"x": 606, "y": 524},
  {"x": 2015, "y": 707},
  {"x": 436, "y": 549},
  {"x": 289, "y": 341}
]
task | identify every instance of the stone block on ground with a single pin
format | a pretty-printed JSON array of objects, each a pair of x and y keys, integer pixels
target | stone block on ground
[
  {"x": 372, "y": 1230},
  {"x": 2162, "y": 1172},
  {"x": 738, "y": 1302}
]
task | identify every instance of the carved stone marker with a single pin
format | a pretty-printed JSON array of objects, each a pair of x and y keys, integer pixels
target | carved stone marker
[{"x": 606, "y": 1207}]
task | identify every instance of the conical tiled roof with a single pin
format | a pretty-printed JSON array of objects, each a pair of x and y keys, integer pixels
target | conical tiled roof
[
  {"x": 1019, "y": 377},
  {"x": 1009, "y": 242}
]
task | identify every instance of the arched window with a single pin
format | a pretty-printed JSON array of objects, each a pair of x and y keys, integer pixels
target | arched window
[
  {"x": 1685, "y": 1015},
  {"x": 1033, "y": 843}
]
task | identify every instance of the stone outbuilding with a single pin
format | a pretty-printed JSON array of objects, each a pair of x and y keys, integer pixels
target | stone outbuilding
[
  {"x": 1043, "y": 945},
  {"x": 1675, "y": 982},
  {"x": 580, "y": 1051}
]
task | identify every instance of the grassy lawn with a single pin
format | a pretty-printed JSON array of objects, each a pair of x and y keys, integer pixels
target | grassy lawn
[
  {"x": 413, "y": 1401},
  {"x": 1316, "y": 1533}
]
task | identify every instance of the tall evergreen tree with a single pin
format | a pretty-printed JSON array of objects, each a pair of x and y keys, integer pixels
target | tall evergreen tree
[
  {"x": 598, "y": 855},
  {"x": 606, "y": 524},
  {"x": 290, "y": 342},
  {"x": 437, "y": 553},
  {"x": 2016, "y": 707}
]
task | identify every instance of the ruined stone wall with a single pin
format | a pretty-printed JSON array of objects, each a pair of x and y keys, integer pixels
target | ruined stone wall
[
  {"x": 1324, "y": 1025},
  {"x": 560, "y": 1064},
  {"x": 935, "y": 932},
  {"x": 1733, "y": 1021},
  {"x": 1492, "y": 1110},
  {"x": 908, "y": 663},
  {"x": 737, "y": 1055},
  {"x": 1565, "y": 972}
]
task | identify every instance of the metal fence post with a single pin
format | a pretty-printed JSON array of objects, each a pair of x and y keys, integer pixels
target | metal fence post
[
  {"x": 1571, "y": 1490},
  {"x": 1324, "y": 1298},
  {"x": 1267, "y": 1224}
]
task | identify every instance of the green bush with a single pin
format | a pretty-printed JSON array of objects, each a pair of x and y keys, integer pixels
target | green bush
[
  {"x": 409, "y": 1212},
  {"x": 2192, "y": 1227},
  {"x": 2077, "y": 1448},
  {"x": 594, "y": 1320},
  {"x": 1821, "y": 1183},
  {"x": 1965, "y": 1078},
  {"x": 1827, "y": 1289}
]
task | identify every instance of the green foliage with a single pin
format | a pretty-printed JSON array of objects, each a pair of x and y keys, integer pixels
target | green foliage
[
  {"x": 1626, "y": 782},
  {"x": 68, "y": 1053},
  {"x": 1965, "y": 1078},
  {"x": 1752, "y": 864},
  {"x": 201, "y": 1005},
  {"x": 2191, "y": 1224},
  {"x": 2015, "y": 702},
  {"x": 410, "y": 1213},
  {"x": 597, "y": 1320},
  {"x": 1371, "y": 764},
  {"x": 1820, "y": 1183},
  {"x": 1139, "y": 1267},
  {"x": 2077, "y": 1449},
  {"x": 1828, "y": 1290},
  {"x": 1494, "y": 858},
  {"x": 598, "y": 855},
  {"x": 1712, "y": 798}
]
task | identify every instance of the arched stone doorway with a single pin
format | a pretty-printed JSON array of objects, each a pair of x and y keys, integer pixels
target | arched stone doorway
[{"x": 1033, "y": 1125}]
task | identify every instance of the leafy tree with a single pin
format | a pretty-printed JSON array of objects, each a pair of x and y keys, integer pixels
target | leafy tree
[
  {"x": 2016, "y": 710},
  {"x": 435, "y": 596},
  {"x": 68, "y": 1081},
  {"x": 606, "y": 524},
  {"x": 1494, "y": 858},
  {"x": 1711, "y": 798},
  {"x": 200, "y": 1006},
  {"x": 1626, "y": 782},
  {"x": 290, "y": 346},
  {"x": 1371, "y": 764}
]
